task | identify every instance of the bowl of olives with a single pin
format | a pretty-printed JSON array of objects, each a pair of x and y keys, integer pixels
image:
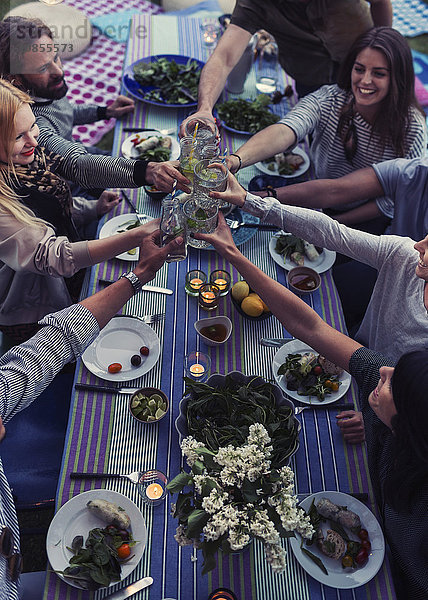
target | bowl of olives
[{"x": 148, "y": 405}]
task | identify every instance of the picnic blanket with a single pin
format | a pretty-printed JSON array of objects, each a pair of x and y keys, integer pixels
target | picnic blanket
[{"x": 95, "y": 76}]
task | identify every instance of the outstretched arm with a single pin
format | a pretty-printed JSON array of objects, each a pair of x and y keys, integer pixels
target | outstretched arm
[
  {"x": 298, "y": 318},
  {"x": 214, "y": 74}
]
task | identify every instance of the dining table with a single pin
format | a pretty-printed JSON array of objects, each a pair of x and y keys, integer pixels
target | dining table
[{"x": 102, "y": 435}]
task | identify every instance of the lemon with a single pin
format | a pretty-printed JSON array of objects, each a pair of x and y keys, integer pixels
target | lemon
[
  {"x": 265, "y": 306},
  {"x": 252, "y": 306},
  {"x": 240, "y": 290}
]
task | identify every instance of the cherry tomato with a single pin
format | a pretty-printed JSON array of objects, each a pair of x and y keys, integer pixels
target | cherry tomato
[
  {"x": 317, "y": 370},
  {"x": 363, "y": 534},
  {"x": 123, "y": 551},
  {"x": 366, "y": 545},
  {"x": 347, "y": 561},
  {"x": 144, "y": 351},
  {"x": 361, "y": 557},
  {"x": 334, "y": 386},
  {"x": 114, "y": 368}
]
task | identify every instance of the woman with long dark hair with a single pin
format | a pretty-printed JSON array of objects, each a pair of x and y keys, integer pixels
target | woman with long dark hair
[
  {"x": 394, "y": 403},
  {"x": 370, "y": 116}
]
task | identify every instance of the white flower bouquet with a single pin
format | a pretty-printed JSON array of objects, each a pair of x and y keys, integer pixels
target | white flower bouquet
[{"x": 234, "y": 495}]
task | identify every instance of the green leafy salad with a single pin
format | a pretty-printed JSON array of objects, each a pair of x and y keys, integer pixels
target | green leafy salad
[
  {"x": 246, "y": 115},
  {"x": 172, "y": 83}
]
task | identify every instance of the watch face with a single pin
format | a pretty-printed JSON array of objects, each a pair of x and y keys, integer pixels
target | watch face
[{"x": 134, "y": 281}]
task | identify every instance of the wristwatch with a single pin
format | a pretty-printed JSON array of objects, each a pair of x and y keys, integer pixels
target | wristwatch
[{"x": 133, "y": 280}]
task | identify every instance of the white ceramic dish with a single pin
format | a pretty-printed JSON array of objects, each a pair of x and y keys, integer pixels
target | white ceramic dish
[
  {"x": 116, "y": 224},
  {"x": 323, "y": 263},
  {"x": 118, "y": 341},
  {"x": 298, "y": 347},
  {"x": 220, "y": 320},
  {"x": 263, "y": 166},
  {"x": 73, "y": 519},
  {"x": 338, "y": 577},
  {"x": 129, "y": 151}
]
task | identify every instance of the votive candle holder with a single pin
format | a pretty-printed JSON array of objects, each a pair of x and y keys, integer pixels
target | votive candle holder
[
  {"x": 197, "y": 366},
  {"x": 222, "y": 280},
  {"x": 152, "y": 487},
  {"x": 194, "y": 280},
  {"x": 209, "y": 295}
]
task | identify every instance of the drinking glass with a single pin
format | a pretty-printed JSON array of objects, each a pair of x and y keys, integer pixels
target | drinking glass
[
  {"x": 209, "y": 177},
  {"x": 207, "y": 132},
  {"x": 200, "y": 218},
  {"x": 267, "y": 69}
]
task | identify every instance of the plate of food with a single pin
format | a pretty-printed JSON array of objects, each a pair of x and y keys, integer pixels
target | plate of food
[
  {"x": 168, "y": 80},
  {"x": 107, "y": 518},
  {"x": 349, "y": 546},
  {"x": 109, "y": 356},
  {"x": 246, "y": 117},
  {"x": 306, "y": 376},
  {"x": 289, "y": 251},
  {"x": 286, "y": 164},
  {"x": 120, "y": 224},
  {"x": 151, "y": 146}
]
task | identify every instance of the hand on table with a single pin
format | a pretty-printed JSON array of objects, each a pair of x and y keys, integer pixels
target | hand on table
[
  {"x": 106, "y": 202},
  {"x": 351, "y": 423},
  {"x": 235, "y": 193},
  {"x": 120, "y": 107},
  {"x": 162, "y": 175}
]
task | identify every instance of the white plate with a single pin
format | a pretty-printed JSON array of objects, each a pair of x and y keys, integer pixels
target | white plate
[
  {"x": 262, "y": 166},
  {"x": 75, "y": 519},
  {"x": 116, "y": 224},
  {"x": 129, "y": 151},
  {"x": 323, "y": 263},
  {"x": 337, "y": 577},
  {"x": 298, "y": 347},
  {"x": 118, "y": 341}
]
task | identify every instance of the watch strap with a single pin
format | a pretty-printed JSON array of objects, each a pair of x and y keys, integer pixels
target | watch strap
[{"x": 133, "y": 280}]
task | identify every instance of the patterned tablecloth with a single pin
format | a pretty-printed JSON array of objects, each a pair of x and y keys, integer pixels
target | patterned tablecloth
[{"x": 103, "y": 437}]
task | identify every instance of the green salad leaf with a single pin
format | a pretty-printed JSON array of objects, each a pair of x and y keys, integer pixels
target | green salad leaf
[
  {"x": 172, "y": 83},
  {"x": 246, "y": 115}
]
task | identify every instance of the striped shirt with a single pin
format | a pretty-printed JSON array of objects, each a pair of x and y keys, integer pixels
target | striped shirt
[
  {"x": 318, "y": 113},
  {"x": 55, "y": 120},
  {"x": 25, "y": 371}
]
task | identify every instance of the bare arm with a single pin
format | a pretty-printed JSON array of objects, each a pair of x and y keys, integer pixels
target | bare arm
[
  {"x": 213, "y": 77},
  {"x": 298, "y": 318},
  {"x": 362, "y": 213},
  {"x": 264, "y": 144},
  {"x": 381, "y": 11}
]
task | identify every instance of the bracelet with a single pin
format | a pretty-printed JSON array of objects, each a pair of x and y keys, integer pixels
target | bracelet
[
  {"x": 271, "y": 192},
  {"x": 133, "y": 280},
  {"x": 240, "y": 161}
]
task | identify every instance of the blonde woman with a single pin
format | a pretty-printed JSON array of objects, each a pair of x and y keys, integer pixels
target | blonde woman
[{"x": 41, "y": 252}]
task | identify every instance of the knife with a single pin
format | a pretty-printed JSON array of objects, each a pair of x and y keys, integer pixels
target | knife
[
  {"x": 106, "y": 388},
  {"x": 331, "y": 406},
  {"x": 146, "y": 288},
  {"x": 363, "y": 496},
  {"x": 130, "y": 590},
  {"x": 274, "y": 341}
]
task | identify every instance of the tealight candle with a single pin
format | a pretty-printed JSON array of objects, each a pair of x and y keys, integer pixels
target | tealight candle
[
  {"x": 208, "y": 296},
  {"x": 154, "y": 491},
  {"x": 152, "y": 487},
  {"x": 222, "y": 280},
  {"x": 194, "y": 280},
  {"x": 197, "y": 365},
  {"x": 197, "y": 370}
]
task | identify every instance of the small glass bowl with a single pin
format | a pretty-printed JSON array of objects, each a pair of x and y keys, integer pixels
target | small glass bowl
[
  {"x": 222, "y": 280},
  {"x": 209, "y": 295},
  {"x": 194, "y": 280},
  {"x": 197, "y": 366},
  {"x": 152, "y": 487}
]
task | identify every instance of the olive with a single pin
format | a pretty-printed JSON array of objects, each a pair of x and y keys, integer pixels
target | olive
[
  {"x": 144, "y": 351},
  {"x": 135, "y": 360},
  {"x": 363, "y": 534}
]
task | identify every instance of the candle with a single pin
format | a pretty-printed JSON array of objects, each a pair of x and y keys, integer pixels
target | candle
[
  {"x": 197, "y": 370},
  {"x": 154, "y": 491},
  {"x": 208, "y": 297},
  {"x": 195, "y": 283},
  {"x": 221, "y": 283}
]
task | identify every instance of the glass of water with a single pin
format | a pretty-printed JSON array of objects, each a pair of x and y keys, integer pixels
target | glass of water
[
  {"x": 267, "y": 69},
  {"x": 201, "y": 217},
  {"x": 210, "y": 176}
]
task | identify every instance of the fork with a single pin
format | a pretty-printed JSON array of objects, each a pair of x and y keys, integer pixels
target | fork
[
  {"x": 148, "y": 319},
  {"x": 134, "y": 477},
  {"x": 237, "y": 224}
]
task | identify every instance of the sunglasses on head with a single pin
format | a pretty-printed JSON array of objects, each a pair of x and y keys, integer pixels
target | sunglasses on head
[{"x": 14, "y": 559}]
